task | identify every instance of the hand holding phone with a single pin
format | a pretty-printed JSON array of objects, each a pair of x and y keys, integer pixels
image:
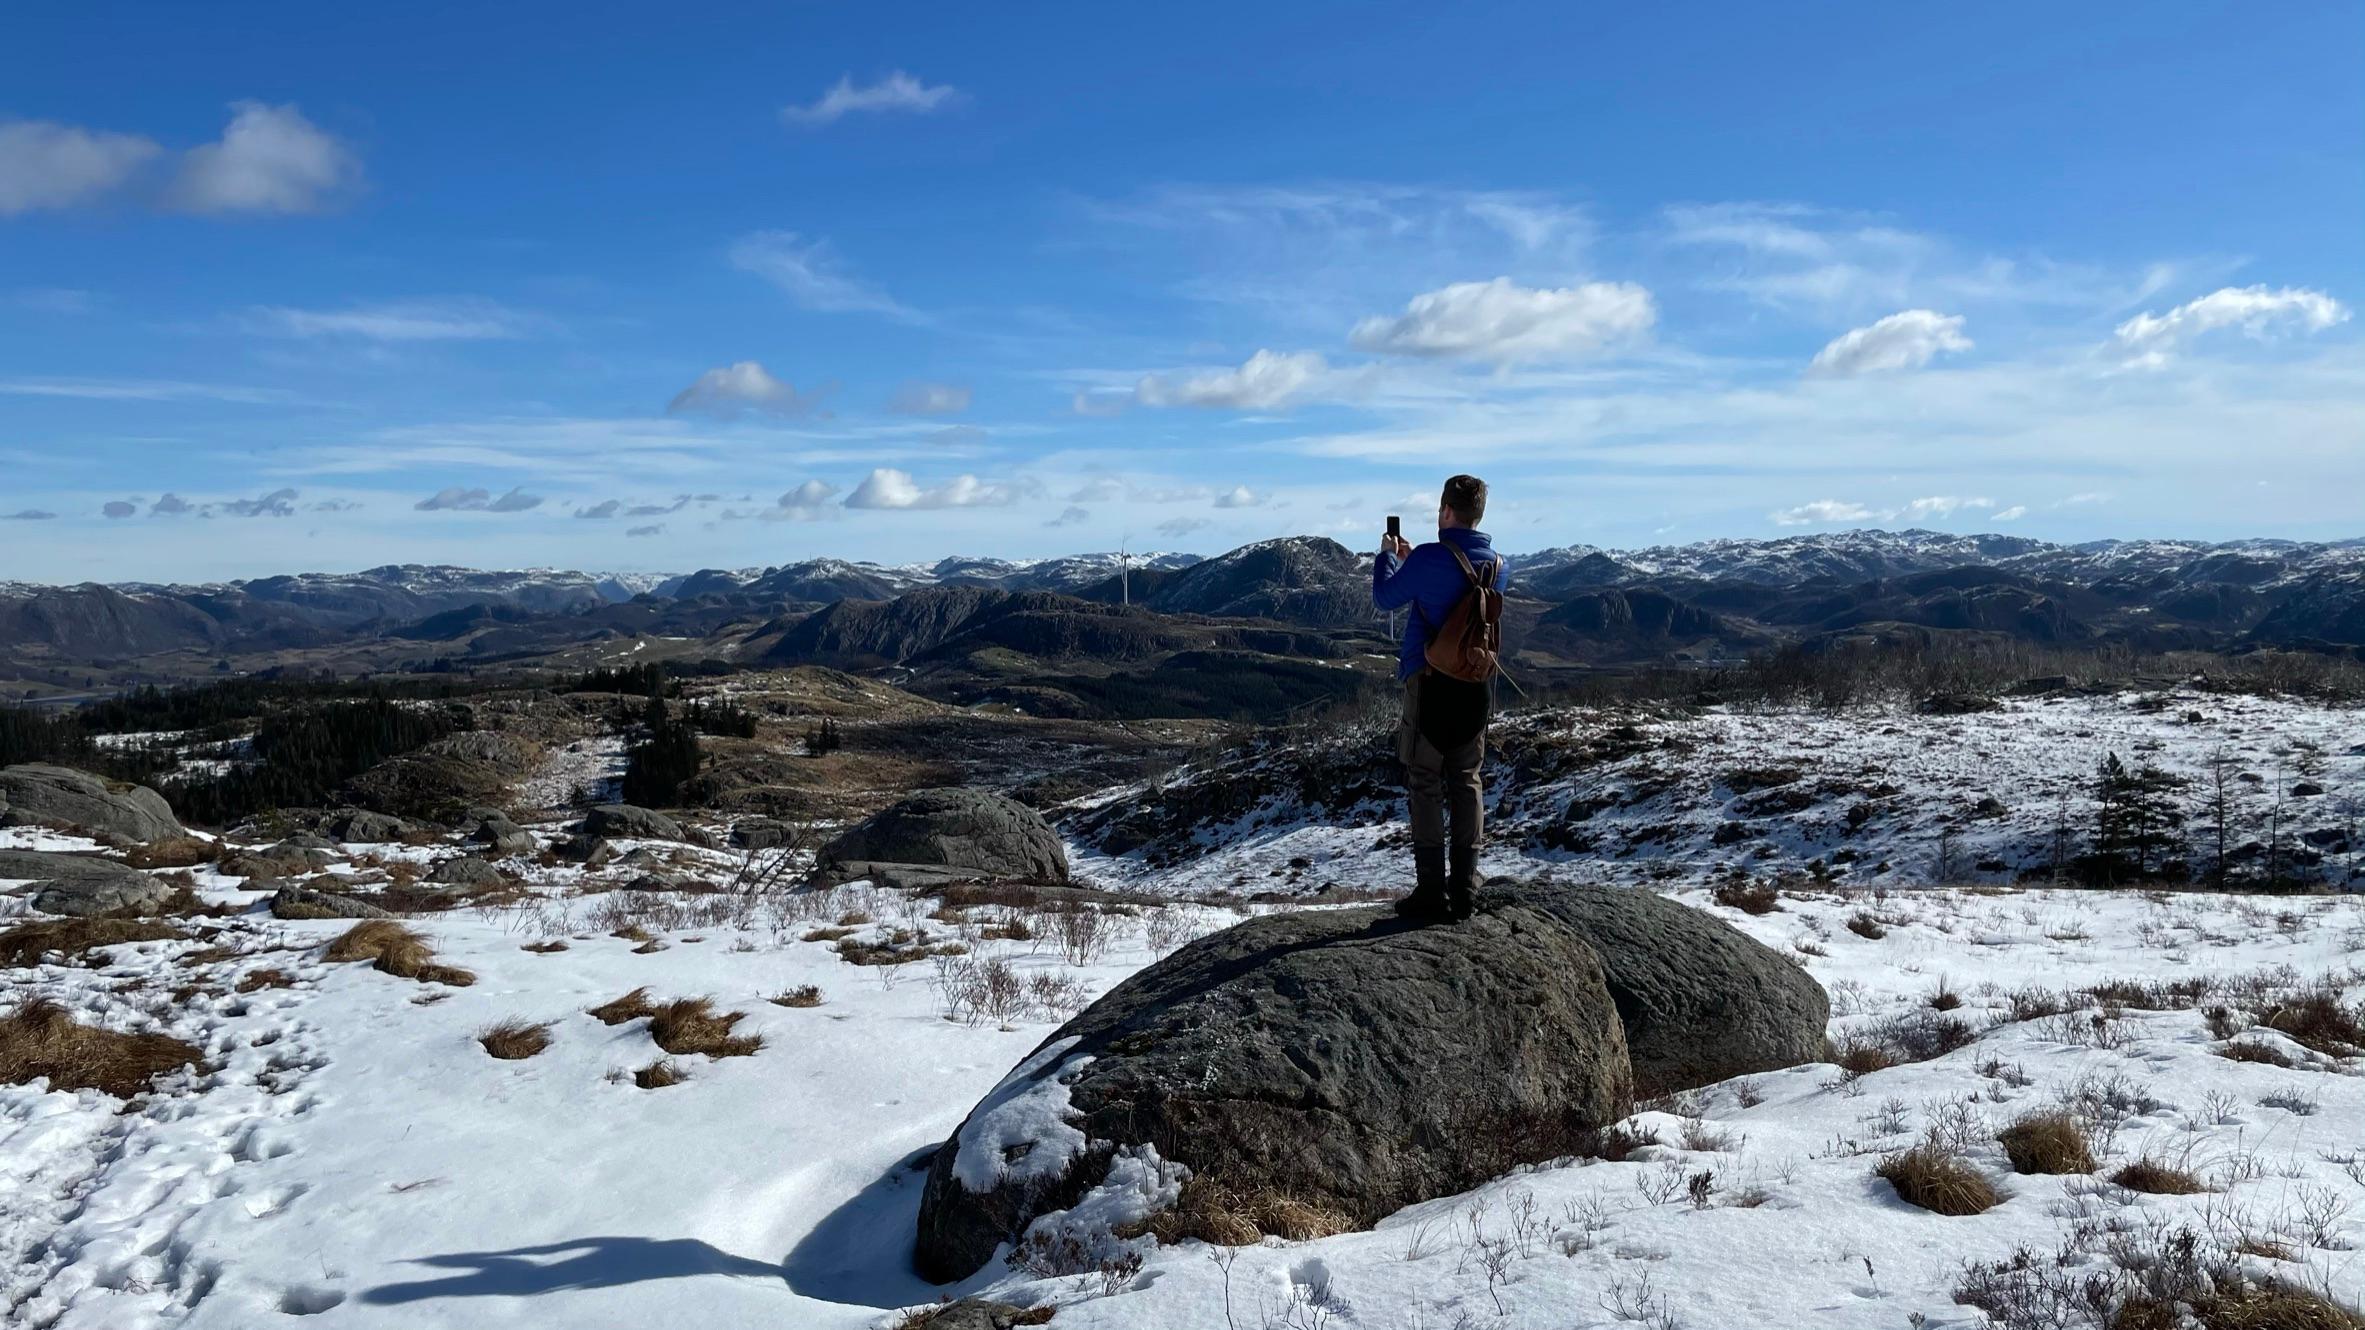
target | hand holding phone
[{"x": 1394, "y": 542}]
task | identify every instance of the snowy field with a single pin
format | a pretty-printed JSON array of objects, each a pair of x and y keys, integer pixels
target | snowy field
[
  {"x": 351, "y": 1152},
  {"x": 1864, "y": 796}
]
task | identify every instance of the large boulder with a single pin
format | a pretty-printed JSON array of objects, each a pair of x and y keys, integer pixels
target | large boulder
[
  {"x": 1343, "y": 1059},
  {"x": 293, "y": 902},
  {"x": 35, "y": 794},
  {"x": 975, "y": 832},
  {"x": 1701, "y": 1001},
  {"x": 630, "y": 821},
  {"x": 81, "y": 884},
  {"x": 363, "y": 827}
]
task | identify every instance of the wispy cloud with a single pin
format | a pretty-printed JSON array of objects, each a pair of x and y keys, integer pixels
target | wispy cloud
[
  {"x": 810, "y": 274},
  {"x": 141, "y": 390},
  {"x": 897, "y": 92},
  {"x": 1506, "y": 323},
  {"x": 930, "y": 399},
  {"x": 458, "y": 498},
  {"x": 453, "y": 319},
  {"x": 1266, "y": 381},
  {"x": 886, "y": 487}
]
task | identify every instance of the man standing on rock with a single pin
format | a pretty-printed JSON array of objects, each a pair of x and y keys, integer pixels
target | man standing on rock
[{"x": 1453, "y": 586}]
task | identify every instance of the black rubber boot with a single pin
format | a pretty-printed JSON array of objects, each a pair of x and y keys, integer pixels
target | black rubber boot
[
  {"x": 1427, "y": 900},
  {"x": 1461, "y": 885}
]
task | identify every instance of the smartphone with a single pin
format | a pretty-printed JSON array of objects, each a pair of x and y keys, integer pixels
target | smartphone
[{"x": 1395, "y": 527}]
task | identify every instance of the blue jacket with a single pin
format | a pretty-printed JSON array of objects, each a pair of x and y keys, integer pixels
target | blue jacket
[{"x": 1431, "y": 582}]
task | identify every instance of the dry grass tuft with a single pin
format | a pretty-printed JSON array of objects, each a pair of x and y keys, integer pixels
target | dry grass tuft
[
  {"x": 173, "y": 852},
  {"x": 1863, "y": 925},
  {"x": 74, "y": 939},
  {"x": 1221, "y": 1215},
  {"x": 257, "y": 980},
  {"x": 41, "y": 1039},
  {"x": 803, "y": 995},
  {"x": 513, "y": 1039},
  {"x": 396, "y": 950},
  {"x": 1938, "y": 1180},
  {"x": 659, "y": 1074},
  {"x": 1859, "y": 1057},
  {"x": 2318, "y": 1020},
  {"x": 692, "y": 1025},
  {"x": 544, "y": 948},
  {"x": 827, "y": 934},
  {"x": 634, "y": 933},
  {"x": 2158, "y": 1178},
  {"x": 630, "y": 1007},
  {"x": 2047, "y": 1143}
]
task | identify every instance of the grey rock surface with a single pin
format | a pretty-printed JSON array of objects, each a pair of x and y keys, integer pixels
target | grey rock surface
[
  {"x": 630, "y": 820},
  {"x": 1342, "y": 1058},
  {"x": 80, "y": 884},
  {"x": 293, "y": 902},
  {"x": 987, "y": 834},
  {"x": 1700, "y": 1001},
  {"x": 466, "y": 870},
  {"x": 36, "y": 794},
  {"x": 361, "y": 826}
]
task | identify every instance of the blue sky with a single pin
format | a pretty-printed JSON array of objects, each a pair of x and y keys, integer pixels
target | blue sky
[{"x": 288, "y": 286}]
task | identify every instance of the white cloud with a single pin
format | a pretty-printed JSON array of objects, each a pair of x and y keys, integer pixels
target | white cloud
[
  {"x": 809, "y": 272},
  {"x": 1943, "y": 505},
  {"x": 1824, "y": 512},
  {"x": 896, "y": 92},
  {"x": 806, "y": 503},
  {"x": 1239, "y": 496},
  {"x": 2011, "y": 514},
  {"x": 269, "y": 159},
  {"x": 886, "y": 487},
  {"x": 460, "y": 499},
  {"x": 1102, "y": 490},
  {"x": 465, "y": 319},
  {"x": 1503, "y": 322},
  {"x": 1269, "y": 379},
  {"x": 930, "y": 399},
  {"x": 1089, "y": 403},
  {"x": 731, "y": 389},
  {"x": 47, "y": 165},
  {"x": 2149, "y": 339},
  {"x": 1904, "y": 340}
]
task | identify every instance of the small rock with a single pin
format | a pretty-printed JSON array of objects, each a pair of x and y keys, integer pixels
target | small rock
[
  {"x": 2306, "y": 789},
  {"x": 586, "y": 849},
  {"x": 466, "y": 871},
  {"x": 305, "y": 903},
  {"x": 79, "y": 884},
  {"x": 631, "y": 820},
  {"x": 759, "y": 833},
  {"x": 359, "y": 826}
]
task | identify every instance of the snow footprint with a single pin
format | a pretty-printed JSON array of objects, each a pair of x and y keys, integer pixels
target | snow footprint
[{"x": 308, "y": 1301}]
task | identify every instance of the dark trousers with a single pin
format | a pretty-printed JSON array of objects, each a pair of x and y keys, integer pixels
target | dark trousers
[{"x": 1440, "y": 781}]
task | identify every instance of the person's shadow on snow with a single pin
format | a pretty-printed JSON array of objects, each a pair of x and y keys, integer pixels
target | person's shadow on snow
[{"x": 603, "y": 1262}]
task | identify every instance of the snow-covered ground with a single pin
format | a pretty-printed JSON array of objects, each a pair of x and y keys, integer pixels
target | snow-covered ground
[
  {"x": 1865, "y": 796},
  {"x": 353, "y": 1153}
]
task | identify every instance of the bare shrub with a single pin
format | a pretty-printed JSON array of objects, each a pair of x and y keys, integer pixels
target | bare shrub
[
  {"x": 1747, "y": 895},
  {"x": 1081, "y": 935},
  {"x": 659, "y": 1074},
  {"x": 1864, "y": 925},
  {"x": 2317, "y": 1019},
  {"x": 1938, "y": 1180},
  {"x": 41, "y": 1039},
  {"x": 514, "y": 1039},
  {"x": 2047, "y": 1142},
  {"x": 394, "y": 949},
  {"x": 2255, "y": 1050},
  {"x": 803, "y": 995}
]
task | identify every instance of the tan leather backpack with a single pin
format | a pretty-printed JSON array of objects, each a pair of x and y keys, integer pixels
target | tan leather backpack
[{"x": 1467, "y": 645}]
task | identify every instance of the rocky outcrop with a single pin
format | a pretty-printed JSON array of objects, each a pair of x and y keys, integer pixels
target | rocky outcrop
[
  {"x": 35, "y": 794},
  {"x": 465, "y": 870},
  {"x": 304, "y": 903},
  {"x": 949, "y": 835},
  {"x": 632, "y": 822},
  {"x": 360, "y": 826},
  {"x": 1700, "y": 1001},
  {"x": 1349, "y": 1061},
  {"x": 81, "y": 884},
  {"x": 1343, "y": 1059}
]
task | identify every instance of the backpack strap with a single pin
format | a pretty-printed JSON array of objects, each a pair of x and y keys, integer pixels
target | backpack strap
[{"x": 1470, "y": 570}]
